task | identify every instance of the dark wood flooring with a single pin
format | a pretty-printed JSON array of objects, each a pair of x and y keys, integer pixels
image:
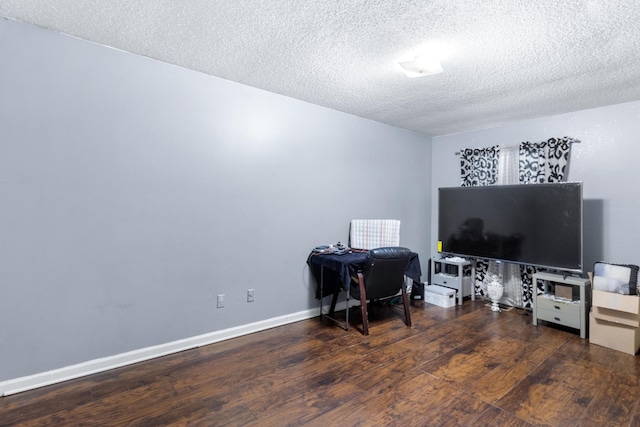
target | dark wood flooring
[{"x": 459, "y": 366}]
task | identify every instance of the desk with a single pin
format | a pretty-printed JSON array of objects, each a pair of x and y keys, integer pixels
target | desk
[{"x": 332, "y": 273}]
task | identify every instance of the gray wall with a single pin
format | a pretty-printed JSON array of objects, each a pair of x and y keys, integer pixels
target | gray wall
[
  {"x": 132, "y": 192},
  {"x": 606, "y": 161}
]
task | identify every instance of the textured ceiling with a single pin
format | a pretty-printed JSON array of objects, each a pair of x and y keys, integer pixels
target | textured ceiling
[{"x": 513, "y": 59}]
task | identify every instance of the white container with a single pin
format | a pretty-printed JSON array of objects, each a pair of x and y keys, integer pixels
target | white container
[{"x": 439, "y": 295}]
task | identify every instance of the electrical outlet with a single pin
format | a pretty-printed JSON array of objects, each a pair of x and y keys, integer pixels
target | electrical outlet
[
  {"x": 221, "y": 301},
  {"x": 250, "y": 294}
]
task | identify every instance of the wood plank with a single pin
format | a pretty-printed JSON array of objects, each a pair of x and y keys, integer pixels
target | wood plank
[
  {"x": 616, "y": 402},
  {"x": 463, "y": 365},
  {"x": 557, "y": 392}
]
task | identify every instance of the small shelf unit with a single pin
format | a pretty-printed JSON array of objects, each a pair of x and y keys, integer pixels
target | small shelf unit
[
  {"x": 571, "y": 312},
  {"x": 455, "y": 274}
]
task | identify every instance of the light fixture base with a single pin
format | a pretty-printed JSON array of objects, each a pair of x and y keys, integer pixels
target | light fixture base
[{"x": 421, "y": 67}]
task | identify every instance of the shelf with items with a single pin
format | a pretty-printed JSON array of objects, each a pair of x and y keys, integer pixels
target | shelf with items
[
  {"x": 565, "y": 300},
  {"x": 455, "y": 273}
]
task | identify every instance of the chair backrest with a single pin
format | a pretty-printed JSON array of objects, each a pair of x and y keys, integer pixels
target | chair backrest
[
  {"x": 374, "y": 233},
  {"x": 384, "y": 271}
]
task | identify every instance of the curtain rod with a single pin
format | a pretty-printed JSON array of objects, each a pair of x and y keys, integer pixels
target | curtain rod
[{"x": 573, "y": 141}]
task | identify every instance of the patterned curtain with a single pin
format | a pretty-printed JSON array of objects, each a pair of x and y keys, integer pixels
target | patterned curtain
[
  {"x": 544, "y": 161},
  {"x": 541, "y": 162},
  {"x": 479, "y": 166}
]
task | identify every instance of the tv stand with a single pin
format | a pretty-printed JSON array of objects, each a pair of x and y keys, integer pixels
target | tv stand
[{"x": 573, "y": 312}]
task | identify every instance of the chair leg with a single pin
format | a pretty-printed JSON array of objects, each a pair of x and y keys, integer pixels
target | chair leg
[
  {"x": 405, "y": 303},
  {"x": 363, "y": 305}
]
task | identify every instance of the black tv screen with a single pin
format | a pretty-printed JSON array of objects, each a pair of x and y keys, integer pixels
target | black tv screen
[{"x": 533, "y": 224}]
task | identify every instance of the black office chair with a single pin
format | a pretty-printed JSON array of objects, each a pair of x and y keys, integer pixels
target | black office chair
[{"x": 381, "y": 277}]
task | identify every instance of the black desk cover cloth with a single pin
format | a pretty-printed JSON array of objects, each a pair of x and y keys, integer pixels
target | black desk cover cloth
[{"x": 338, "y": 270}]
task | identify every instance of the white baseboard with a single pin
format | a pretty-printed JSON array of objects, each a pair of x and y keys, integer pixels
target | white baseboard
[{"x": 30, "y": 382}]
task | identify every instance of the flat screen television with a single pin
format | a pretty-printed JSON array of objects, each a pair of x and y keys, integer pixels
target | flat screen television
[{"x": 532, "y": 224}]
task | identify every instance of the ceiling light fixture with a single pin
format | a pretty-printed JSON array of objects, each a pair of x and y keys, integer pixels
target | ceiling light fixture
[
  {"x": 425, "y": 60},
  {"x": 421, "y": 66}
]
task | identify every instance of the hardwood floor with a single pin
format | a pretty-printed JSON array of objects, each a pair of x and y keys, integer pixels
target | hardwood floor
[{"x": 463, "y": 365}]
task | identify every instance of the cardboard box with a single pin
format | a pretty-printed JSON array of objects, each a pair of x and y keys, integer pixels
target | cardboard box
[
  {"x": 615, "y": 316},
  {"x": 564, "y": 291},
  {"x": 614, "y": 321},
  {"x": 624, "y": 303},
  {"x": 612, "y": 335},
  {"x": 439, "y": 295}
]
